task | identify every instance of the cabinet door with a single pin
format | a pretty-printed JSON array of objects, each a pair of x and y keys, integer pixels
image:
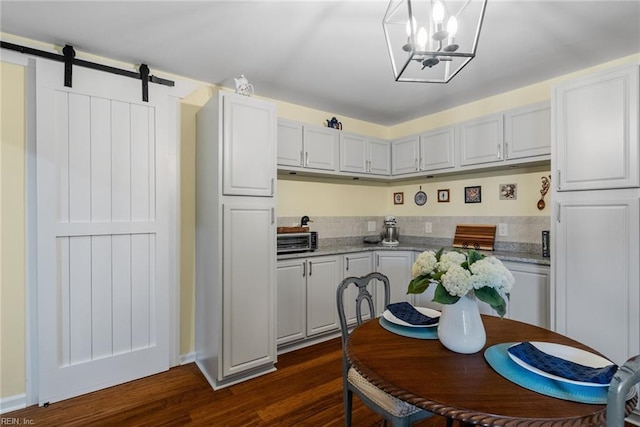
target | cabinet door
[
  {"x": 249, "y": 144},
  {"x": 437, "y": 149},
  {"x": 323, "y": 277},
  {"x": 596, "y": 131},
  {"x": 379, "y": 157},
  {"x": 357, "y": 265},
  {"x": 320, "y": 147},
  {"x": 404, "y": 155},
  {"x": 353, "y": 151},
  {"x": 292, "y": 300},
  {"x": 289, "y": 143},
  {"x": 480, "y": 140},
  {"x": 595, "y": 271},
  {"x": 249, "y": 284},
  {"x": 529, "y": 301},
  {"x": 396, "y": 265},
  {"x": 528, "y": 131}
]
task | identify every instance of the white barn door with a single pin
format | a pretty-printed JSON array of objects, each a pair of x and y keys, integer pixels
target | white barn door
[{"x": 101, "y": 166}]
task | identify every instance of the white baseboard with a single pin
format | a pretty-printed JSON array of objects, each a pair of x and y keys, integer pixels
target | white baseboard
[
  {"x": 13, "y": 403},
  {"x": 187, "y": 358}
]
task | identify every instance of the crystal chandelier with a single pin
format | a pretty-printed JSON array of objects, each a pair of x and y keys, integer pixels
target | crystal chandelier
[{"x": 432, "y": 40}]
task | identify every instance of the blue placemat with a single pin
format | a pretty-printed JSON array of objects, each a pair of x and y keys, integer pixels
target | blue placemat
[
  {"x": 408, "y": 331},
  {"x": 500, "y": 361}
]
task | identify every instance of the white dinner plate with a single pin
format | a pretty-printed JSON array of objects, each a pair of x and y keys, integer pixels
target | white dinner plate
[
  {"x": 424, "y": 310},
  {"x": 567, "y": 353}
]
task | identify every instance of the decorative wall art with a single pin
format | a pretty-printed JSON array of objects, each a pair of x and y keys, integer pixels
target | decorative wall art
[
  {"x": 334, "y": 124},
  {"x": 508, "y": 191},
  {"x": 443, "y": 196},
  {"x": 473, "y": 194},
  {"x": 398, "y": 198},
  {"x": 546, "y": 183},
  {"x": 243, "y": 87},
  {"x": 420, "y": 198}
]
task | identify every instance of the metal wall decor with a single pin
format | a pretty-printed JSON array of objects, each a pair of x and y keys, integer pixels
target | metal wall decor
[
  {"x": 420, "y": 198},
  {"x": 334, "y": 124},
  {"x": 546, "y": 183}
]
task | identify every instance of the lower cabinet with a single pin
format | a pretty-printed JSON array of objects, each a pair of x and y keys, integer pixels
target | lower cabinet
[
  {"x": 307, "y": 297},
  {"x": 396, "y": 265}
]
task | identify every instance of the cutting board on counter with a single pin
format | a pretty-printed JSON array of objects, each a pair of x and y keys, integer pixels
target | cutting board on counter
[
  {"x": 474, "y": 236},
  {"x": 292, "y": 229}
]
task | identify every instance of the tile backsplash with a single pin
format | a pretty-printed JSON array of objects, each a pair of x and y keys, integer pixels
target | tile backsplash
[{"x": 524, "y": 232}]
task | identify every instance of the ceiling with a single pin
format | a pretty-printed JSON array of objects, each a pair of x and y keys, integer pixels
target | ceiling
[{"x": 331, "y": 55}]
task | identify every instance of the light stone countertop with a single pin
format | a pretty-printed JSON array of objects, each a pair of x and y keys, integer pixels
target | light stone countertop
[{"x": 338, "y": 249}]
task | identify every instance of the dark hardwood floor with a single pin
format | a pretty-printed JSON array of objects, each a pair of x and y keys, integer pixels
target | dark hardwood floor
[{"x": 306, "y": 390}]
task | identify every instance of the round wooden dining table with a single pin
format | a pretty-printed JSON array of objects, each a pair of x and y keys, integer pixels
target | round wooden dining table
[{"x": 465, "y": 387}]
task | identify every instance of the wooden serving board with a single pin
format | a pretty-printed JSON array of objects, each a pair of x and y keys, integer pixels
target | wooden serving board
[
  {"x": 292, "y": 229},
  {"x": 475, "y": 236}
]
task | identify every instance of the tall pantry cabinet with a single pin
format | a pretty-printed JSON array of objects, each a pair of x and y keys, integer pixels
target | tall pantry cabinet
[
  {"x": 595, "y": 216},
  {"x": 235, "y": 238}
]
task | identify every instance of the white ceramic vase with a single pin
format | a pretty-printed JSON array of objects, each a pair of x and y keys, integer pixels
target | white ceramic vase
[{"x": 460, "y": 328}]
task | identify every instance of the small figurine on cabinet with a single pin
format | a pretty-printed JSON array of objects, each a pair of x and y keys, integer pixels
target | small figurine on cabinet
[{"x": 243, "y": 87}]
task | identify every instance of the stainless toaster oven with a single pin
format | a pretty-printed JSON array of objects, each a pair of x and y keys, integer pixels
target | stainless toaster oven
[{"x": 297, "y": 242}]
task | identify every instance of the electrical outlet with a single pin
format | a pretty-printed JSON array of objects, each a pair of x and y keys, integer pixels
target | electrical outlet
[
  {"x": 503, "y": 229},
  {"x": 371, "y": 226},
  {"x": 428, "y": 227}
]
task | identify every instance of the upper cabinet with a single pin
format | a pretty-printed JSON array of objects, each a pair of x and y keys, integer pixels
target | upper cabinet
[
  {"x": 527, "y": 131},
  {"x": 405, "y": 154},
  {"x": 596, "y": 131},
  {"x": 247, "y": 147},
  {"x": 306, "y": 146},
  {"x": 362, "y": 154},
  {"x": 437, "y": 149},
  {"x": 481, "y": 140}
]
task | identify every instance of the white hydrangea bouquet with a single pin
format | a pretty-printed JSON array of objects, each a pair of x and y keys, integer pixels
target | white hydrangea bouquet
[{"x": 456, "y": 274}]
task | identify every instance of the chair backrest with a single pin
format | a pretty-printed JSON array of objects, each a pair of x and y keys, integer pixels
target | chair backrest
[
  {"x": 363, "y": 295},
  {"x": 627, "y": 376}
]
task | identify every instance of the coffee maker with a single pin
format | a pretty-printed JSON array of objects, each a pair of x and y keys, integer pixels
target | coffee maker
[{"x": 390, "y": 232}]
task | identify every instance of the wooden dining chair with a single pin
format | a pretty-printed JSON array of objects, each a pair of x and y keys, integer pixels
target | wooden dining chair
[
  {"x": 627, "y": 376},
  {"x": 392, "y": 409}
]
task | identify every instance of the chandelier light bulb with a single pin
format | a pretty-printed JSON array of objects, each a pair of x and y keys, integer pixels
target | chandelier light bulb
[
  {"x": 452, "y": 26},
  {"x": 438, "y": 13},
  {"x": 410, "y": 26},
  {"x": 422, "y": 39}
]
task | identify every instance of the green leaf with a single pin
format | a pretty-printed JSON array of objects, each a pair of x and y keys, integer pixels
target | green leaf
[
  {"x": 418, "y": 285},
  {"x": 474, "y": 256},
  {"x": 493, "y": 298},
  {"x": 443, "y": 297},
  {"x": 439, "y": 254}
]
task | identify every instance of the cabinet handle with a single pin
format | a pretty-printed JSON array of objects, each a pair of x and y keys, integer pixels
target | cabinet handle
[
  {"x": 310, "y": 268},
  {"x": 304, "y": 269},
  {"x": 499, "y": 153},
  {"x": 416, "y": 163},
  {"x": 377, "y": 260},
  {"x": 347, "y": 263},
  {"x": 558, "y": 211},
  {"x": 273, "y": 215},
  {"x": 558, "y": 174},
  {"x": 506, "y": 150},
  {"x": 273, "y": 186},
  {"x": 306, "y": 159},
  {"x": 301, "y": 158}
]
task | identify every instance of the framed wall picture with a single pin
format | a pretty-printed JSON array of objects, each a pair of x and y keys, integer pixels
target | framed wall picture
[
  {"x": 443, "y": 196},
  {"x": 508, "y": 191},
  {"x": 473, "y": 194},
  {"x": 398, "y": 198}
]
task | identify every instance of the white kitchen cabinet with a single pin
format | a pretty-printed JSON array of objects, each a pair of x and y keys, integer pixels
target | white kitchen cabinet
[
  {"x": 596, "y": 131},
  {"x": 405, "y": 154},
  {"x": 480, "y": 140},
  {"x": 529, "y": 301},
  {"x": 362, "y": 154},
  {"x": 306, "y": 146},
  {"x": 595, "y": 270},
  {"x": 324, "y": 274},
  {"x": 437, "y": 149},
  {"x": 232, "y": 232},
  {"x": 292, "y": 300},
  {"x": 396, "y": 265},
  {"x": 357, "y": 265},
  {"x": 527, "y": 131},
  {"x": 245, "y": 147}
]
